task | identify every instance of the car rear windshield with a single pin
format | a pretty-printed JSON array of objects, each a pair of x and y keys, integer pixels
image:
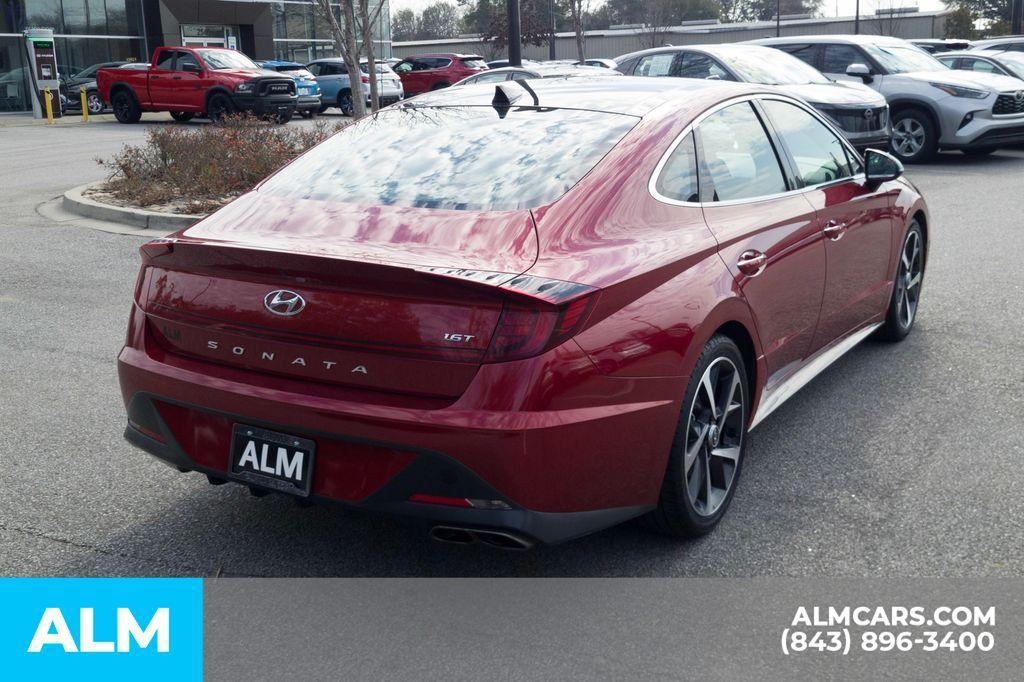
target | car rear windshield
[{"x": 464, "y": 157}]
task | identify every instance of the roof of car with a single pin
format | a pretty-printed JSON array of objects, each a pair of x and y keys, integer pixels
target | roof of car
[
  {"x": 278, "y": 62},
  {"x": 849, "y": 39},
  {"x": 631, "y": 95},
  {"x": 447, "y": 55}
]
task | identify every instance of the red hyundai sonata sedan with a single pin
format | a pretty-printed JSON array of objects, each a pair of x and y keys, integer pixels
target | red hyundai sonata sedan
[{"x": 525, "y": 313}]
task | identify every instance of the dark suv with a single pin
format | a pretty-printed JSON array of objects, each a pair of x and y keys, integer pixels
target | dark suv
[{"x": 425, "y": 72}]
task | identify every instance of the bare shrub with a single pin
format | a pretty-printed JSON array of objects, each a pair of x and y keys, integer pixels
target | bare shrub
[{"x": 200, "y": 168}]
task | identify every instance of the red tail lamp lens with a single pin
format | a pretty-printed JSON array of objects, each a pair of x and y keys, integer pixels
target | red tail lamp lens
[{"x": 524, "y": 332}]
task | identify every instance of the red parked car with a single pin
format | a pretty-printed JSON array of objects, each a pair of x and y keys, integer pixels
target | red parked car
[
  {"x": 425, "y": 72},
  {"x": 523, "y": 319},
  {"x": 188, "y": 82}
]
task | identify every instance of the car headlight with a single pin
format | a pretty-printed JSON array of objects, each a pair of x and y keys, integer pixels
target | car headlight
[
  {"x": 245, "y": 87},
  {"x": 959, "y": 91}
]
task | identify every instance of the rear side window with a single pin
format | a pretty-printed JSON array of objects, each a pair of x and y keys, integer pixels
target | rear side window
[
  {"x": 739, "y": 157},
  {"x": 655, "y": 65},
  {"x": 818, "y": 153},
  {"x": 802, "y": 52},
  {"x": 166, "y": 60},
  {"x": 473, "y": 63},
  {"x": 678, "y": 178},
  {"x": 458, "y": 157}
]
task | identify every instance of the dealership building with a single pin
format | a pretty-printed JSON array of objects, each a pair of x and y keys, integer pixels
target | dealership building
[{"x": 93, "y": 31}]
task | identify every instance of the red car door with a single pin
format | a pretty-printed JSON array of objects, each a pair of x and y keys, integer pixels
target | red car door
[
  {"x": 855, "y": 218},
  {"x": 768, "y": 234}
]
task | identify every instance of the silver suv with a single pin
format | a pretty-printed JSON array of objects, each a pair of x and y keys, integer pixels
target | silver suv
[{"x": 933, "y": 107}]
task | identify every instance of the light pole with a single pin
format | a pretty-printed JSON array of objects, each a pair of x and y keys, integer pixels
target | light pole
[
  {"x": 778, "y": 18},
  {"x": 856, "y": 19},
  {"x": 515, "y": 45},
  {"x": 551, "y": 43}
]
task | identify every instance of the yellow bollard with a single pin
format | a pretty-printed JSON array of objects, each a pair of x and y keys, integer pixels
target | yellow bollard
[
  {"x": 85, "y": 106},
  {"x": 48, "y": 98}
]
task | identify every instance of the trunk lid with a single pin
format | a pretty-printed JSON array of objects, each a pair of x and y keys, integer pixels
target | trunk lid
[{"x": 392, "y": 299}]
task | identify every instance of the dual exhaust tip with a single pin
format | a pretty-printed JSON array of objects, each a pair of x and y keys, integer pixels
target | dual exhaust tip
[{"x": 494, "y": 538}]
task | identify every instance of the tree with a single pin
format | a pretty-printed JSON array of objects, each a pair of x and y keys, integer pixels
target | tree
[
  {"x": 997, "y": 13},
  {"x": 536, "y": 30},
  {"x": 404, "y": 25},
  {"x": 343, "y": 31},
  {"x": 367, "y": 18},
  {"x": 439, "y": 20},
  {"x": 578, "y": 9},
  {"x": 960, "y": 24}
]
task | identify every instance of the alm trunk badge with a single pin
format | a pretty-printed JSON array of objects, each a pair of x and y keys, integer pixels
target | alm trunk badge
[{"x": 284, "y": 302}]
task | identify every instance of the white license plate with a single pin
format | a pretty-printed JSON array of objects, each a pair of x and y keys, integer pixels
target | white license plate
[
  {"x": 305, "y": 91},
  {"x": 272, "y": 460}
]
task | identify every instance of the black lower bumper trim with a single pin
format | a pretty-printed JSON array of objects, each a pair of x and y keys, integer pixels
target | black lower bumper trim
[{"x": 431, "y": 472}]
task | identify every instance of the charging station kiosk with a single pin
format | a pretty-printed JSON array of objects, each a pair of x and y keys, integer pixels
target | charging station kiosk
[{"x": 42, "y": 57}]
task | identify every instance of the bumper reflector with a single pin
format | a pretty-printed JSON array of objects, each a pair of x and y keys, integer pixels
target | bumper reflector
[{"x": 463, "y": 502}]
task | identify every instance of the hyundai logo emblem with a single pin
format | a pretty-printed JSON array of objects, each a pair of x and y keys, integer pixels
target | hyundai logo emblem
[
  {"x": 284, "y": 302},
  {"x": 869, "y": 113}
]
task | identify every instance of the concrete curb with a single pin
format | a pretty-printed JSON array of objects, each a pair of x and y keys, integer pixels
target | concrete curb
[{"x": 75, "y": 201}]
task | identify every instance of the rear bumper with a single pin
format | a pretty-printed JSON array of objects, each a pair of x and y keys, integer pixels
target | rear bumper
[
  {"x": 438, "y": 471},
  {"x": 563, "y": 473}
]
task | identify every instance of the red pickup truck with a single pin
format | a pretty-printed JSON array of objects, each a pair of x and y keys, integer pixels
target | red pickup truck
[{"x": 191, "y": 82}]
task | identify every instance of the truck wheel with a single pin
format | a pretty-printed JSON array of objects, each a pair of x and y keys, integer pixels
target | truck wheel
[
  {"x": 219, "y": 106},
  {"x": 182, "y": 116},
  {"x": 126, "y": 108},
  {"x": 283, "y": 118},
  {"x": 308, "y": 113}
]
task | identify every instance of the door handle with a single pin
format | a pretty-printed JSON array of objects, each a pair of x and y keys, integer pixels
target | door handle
[
  {"x": 834, "y": 229},
  {"x": 752, "y": 263}
]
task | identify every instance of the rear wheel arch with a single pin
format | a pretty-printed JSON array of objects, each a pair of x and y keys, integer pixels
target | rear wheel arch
[{"x": 739, "y": 335}]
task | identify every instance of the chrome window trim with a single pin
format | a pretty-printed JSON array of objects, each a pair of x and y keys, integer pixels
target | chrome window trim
[{"x": 653, "y": 180}]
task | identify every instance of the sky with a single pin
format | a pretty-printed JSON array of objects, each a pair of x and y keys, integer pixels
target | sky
[{"x": 830, "y": 8}]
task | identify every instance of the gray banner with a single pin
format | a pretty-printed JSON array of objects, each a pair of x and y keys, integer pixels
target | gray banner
[{"x": 686, "y": 628}]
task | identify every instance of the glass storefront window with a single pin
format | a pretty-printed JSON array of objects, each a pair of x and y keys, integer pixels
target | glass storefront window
[
  {"x": 45, "y": 14},
  {"x": 13, "y": 76}
]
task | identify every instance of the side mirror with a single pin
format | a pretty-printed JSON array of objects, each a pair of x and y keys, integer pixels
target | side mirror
[
  {"x": 861, "y": 71},
  {"x": 191, "y": 68},
  {"x": 881, "y": 167}
]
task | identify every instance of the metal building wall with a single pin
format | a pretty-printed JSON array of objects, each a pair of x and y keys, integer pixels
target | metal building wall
[{"x": 614, "y": 43}]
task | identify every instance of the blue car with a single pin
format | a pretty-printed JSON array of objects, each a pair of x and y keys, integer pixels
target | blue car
[{"x": 306, "y": 86}]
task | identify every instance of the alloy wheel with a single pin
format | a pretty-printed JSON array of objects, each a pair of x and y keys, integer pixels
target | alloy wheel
[
  {"x": 122, "y": 105},
  {"x": 908, "y": 137},
  {"x": 714, "y": 436},
  {"x": 908, "y": 279},
  {"x": 94, "y": 103}
]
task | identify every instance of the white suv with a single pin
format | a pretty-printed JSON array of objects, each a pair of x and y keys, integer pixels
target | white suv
[{"x": 933, "y": 107}]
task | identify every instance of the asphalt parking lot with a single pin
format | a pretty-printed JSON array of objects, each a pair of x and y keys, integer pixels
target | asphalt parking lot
[{"x": 900, "y": 460}]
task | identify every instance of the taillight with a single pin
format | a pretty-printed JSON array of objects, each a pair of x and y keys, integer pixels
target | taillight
[
  {"x": 526, "y": 331},
  {"x": 365, "y": 79}
]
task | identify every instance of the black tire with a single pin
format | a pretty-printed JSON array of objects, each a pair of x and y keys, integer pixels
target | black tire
[
  {"x": 308, "y": 113},
  {"x": 906, "y": 290},
  {"x": 94, "y": 102},
  {"x": 924, "y": 147},
  {"x": 439, "y": 86},
  {"x": 323, "y": 108},
  {"x": 979, "y": 151},
  {"x": 218, "y": 106},
  {"x": 345, "y": 103},
  {"x": 281, "y": 119},
  {"x": 679, "y": 512},
  {"x": 182, "y": 116},
  {"x": 126, "y": 107}
]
